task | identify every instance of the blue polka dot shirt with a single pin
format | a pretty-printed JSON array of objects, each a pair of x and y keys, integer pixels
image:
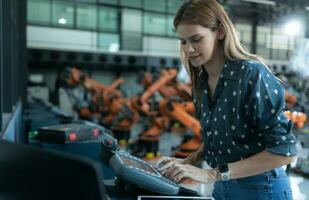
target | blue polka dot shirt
[{"x": 245, "y": 115}]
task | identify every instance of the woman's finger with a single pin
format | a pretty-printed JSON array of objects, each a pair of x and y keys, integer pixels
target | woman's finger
[
  {"x": 175, "y": 173},
  {"x": 167, "y": 171},
  {"x": 168, "y": 164},
  {"x": 162, "y": 161},
  {"x": 180, "y": 177}
]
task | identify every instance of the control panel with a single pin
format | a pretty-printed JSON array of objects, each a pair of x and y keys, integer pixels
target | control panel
[{"x": 136, "y": 171}]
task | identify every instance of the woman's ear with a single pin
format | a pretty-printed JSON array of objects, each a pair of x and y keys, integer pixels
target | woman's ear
[{"x": 220, "y": 32}]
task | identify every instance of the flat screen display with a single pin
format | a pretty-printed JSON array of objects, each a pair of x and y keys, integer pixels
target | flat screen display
[
  {"x": 139, "y": 165},
  {"x": 172, "y": 198}
]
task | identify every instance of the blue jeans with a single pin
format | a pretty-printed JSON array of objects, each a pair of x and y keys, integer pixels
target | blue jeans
[{"x": 272, "y": 185}]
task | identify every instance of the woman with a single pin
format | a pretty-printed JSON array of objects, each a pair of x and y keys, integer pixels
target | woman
[{"x": 240, "y": 106}]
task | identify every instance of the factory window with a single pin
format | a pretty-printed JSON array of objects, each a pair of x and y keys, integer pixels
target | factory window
[
  {"x": 131, "y": 15},
  {"x": 173, "y": 5},
  {"x": 111, "y": 2},
  {"x": 154, "y": 23},
  {"x": 274, "y": 46},
  {"x": 131, "y": 3},
  {"x": 109, "y": 42},
  {"x": 131, "y": 37},
  {"x": 88, "y": 1},
  {"x": 170, "y": 26},
  {"x": 108, "y": 19},
  {"x": 39, "y": 11},
  {"x": 280, "y": 45},
  {"x": 244, "y": 32},
  {"x": 86, "y": 17},
  {"x": 279, "y": 41},
  {"x": 262, "y": 34},
  {"x": 63, "y": 14},
  {"x": 158, "y": 5}
]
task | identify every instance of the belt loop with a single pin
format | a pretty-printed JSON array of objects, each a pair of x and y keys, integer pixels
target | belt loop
[{"x": 275, "y": 173}]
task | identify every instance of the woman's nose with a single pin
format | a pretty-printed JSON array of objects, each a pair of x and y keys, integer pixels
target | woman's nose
[{"x": 190, "y": 48}]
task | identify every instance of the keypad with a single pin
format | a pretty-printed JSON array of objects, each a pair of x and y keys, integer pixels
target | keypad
[{"x": 166, "y": 179}]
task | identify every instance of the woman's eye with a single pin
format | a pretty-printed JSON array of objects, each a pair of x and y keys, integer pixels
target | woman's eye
[
  {"x": 183, "y": 42},
  {"x": 196, "y": 39}
]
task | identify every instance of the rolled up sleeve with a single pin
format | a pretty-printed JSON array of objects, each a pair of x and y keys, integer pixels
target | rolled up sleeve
[{"x": 265, "y": 97}]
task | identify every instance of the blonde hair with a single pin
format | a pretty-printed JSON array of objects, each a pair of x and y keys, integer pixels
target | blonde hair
[{"x": 210, "y": 14}]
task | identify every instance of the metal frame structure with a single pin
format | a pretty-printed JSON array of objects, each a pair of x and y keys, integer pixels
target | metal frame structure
[
  {"x": 13, "y": 76},
  {"x": 1, "y": 72}
]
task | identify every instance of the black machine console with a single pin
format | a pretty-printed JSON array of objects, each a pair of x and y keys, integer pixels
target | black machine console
[
  {"x": 67, "y": 133},
  {"x": 136, "y": 171}
]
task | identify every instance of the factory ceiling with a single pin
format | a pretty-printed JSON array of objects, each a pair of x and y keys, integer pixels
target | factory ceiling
[{"x": 265, "y": 11}]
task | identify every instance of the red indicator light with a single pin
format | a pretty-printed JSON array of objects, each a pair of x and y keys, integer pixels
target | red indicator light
[
  {"x": 95, "y": 132},
  {"x": 72, "y": 136}
]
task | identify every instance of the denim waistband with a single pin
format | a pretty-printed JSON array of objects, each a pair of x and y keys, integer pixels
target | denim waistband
[{"x": 275, "y": 172}]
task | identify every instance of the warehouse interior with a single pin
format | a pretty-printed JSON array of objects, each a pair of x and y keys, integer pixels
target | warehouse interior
[{"x": 91, "y": 69}]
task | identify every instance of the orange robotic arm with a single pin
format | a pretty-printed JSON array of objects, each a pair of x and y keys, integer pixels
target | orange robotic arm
[
  {"x": 298, "y": 118},
  {"x": 78, "y": 77},
  {"x": 166, "y": 76},
  {"x": 290, "y": 99},
  {"x": 178, "y": 111}
]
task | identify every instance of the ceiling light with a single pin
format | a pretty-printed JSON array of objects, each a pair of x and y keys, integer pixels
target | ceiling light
[
  {"x": 62, "y": 21},
  {"x": 267, "y": 2},
  {"x": 307, "y": 8},
  {"x": 114, "y": 47},
  {"x": 293, "y": 27}
]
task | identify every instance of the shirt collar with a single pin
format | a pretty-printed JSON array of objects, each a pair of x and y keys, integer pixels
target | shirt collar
[{"x": 231, "y": 70}]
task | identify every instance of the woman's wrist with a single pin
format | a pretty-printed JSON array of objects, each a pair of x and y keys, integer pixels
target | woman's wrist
[
  {"x": 195, "y": 157},
  {"x": 214, "y": 175},
  {"x": 192, "y": 159},
  {"x": 187, "y": 160}
]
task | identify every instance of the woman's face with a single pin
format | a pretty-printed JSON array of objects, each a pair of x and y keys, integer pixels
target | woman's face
[{"x": 197, "y": 42}]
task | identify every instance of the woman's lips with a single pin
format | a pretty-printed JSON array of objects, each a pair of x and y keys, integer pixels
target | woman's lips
[{"x": 193, "y": 57}]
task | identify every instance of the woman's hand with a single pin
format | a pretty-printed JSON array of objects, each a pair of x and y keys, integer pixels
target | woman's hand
[
  {"x": 166, "y": 162},
  {"x": 181, "y": 172},
  {"x": 178, "y": 171}
]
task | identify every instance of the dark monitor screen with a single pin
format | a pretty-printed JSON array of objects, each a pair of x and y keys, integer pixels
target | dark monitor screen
[
  {"x": 134, "y": 163},
  {"x": 173, "y": 198},
  {"x": 31, "y": 173}
]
